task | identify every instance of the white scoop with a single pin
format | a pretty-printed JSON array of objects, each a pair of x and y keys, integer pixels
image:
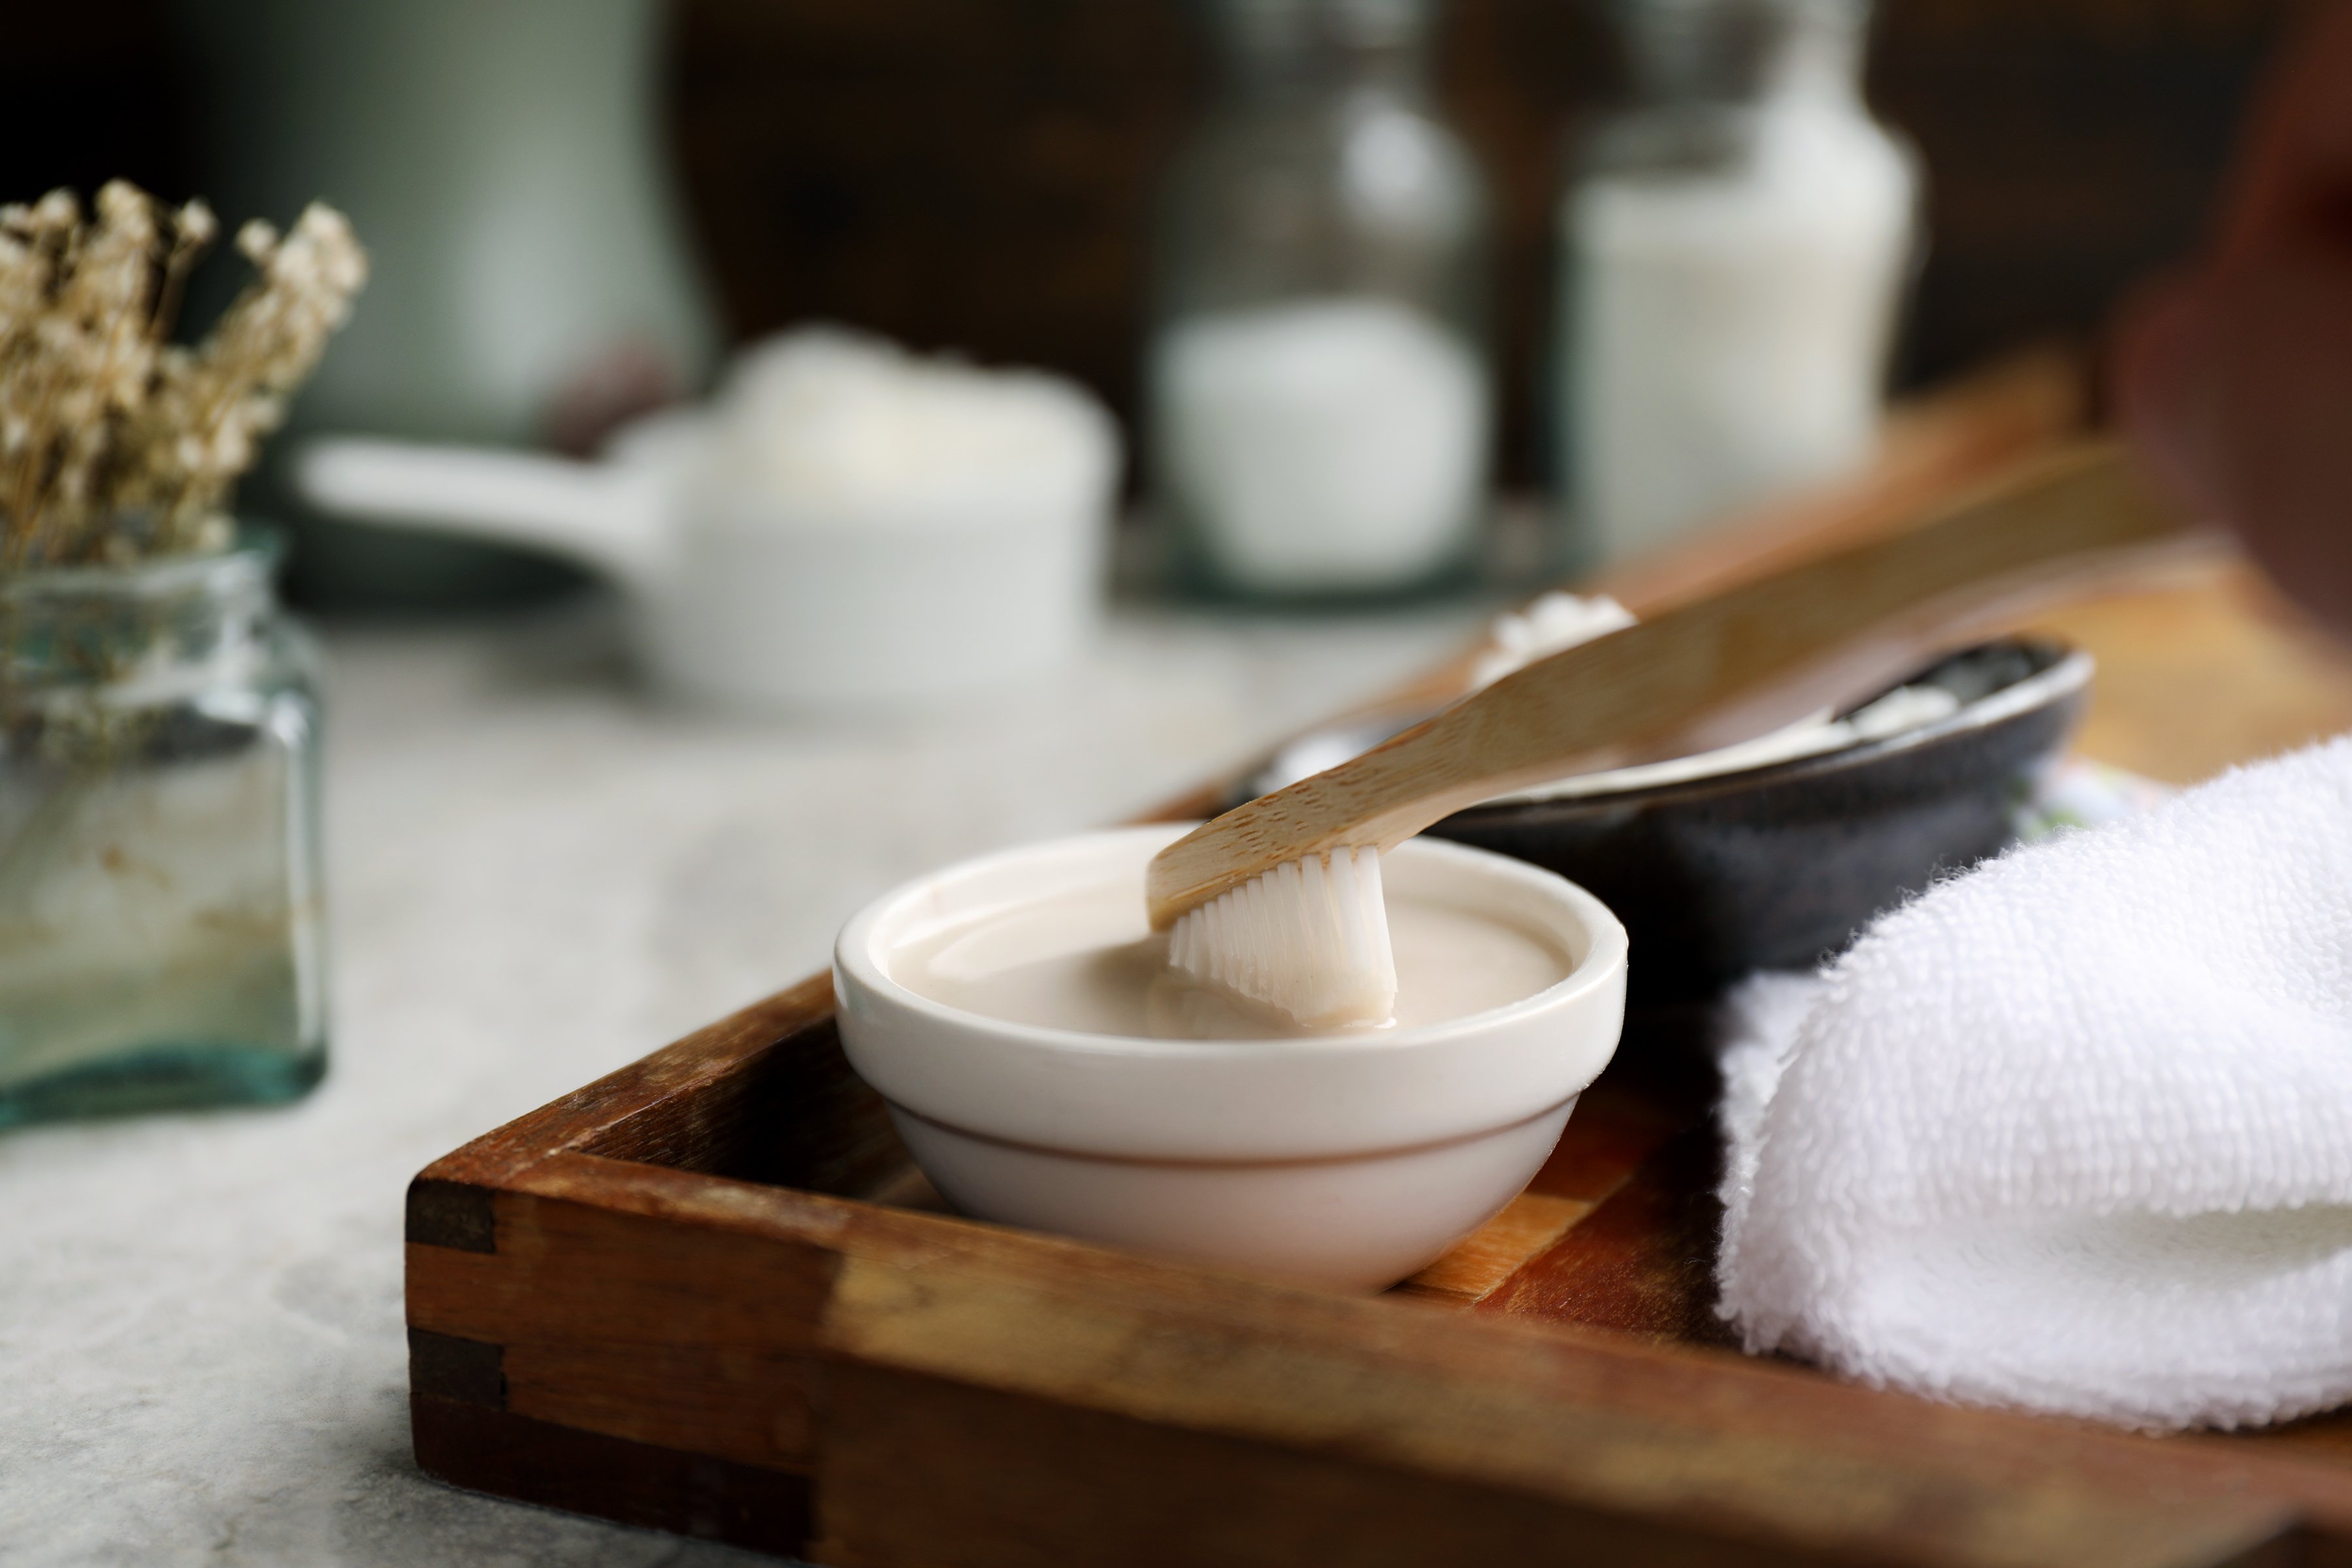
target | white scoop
[{"x": 846, "y": 528}]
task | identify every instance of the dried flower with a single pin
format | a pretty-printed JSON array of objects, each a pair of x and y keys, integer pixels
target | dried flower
[{"x": 115, "y": 444}]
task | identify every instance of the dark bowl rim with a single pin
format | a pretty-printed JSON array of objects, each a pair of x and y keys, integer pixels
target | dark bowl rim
[{"x": 2067, "y": 675}]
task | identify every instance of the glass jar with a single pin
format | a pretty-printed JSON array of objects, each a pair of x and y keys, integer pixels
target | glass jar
[
  {"x": 1735, "y": 246},
  {"x": 160, "y": 900},
  {"x": 1320, "y": 397}
]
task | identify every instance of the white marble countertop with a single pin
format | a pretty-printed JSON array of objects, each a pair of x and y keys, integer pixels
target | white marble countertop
[{"x": 535, "y": 876}]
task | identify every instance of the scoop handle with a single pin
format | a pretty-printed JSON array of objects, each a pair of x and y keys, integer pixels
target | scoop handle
[
  {"x": 605, "y": 516},
  {"x": 1764, "y": 651}
]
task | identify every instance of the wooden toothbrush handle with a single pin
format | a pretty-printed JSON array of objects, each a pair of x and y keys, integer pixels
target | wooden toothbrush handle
[{"x": 1773, "y": 648}]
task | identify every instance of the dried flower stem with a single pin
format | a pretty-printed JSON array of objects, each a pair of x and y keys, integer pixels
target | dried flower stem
[{"x": 115, "y": 444}]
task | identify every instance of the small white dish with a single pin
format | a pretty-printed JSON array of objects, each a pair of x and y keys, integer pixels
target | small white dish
[
  {"x": 1346, "y": 1161},
  {"x": 948, "y": 572}
]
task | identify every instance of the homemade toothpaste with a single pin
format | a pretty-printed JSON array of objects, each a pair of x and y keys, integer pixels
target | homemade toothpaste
[
  {"x": 1088, "y": 961},
  {"x": 1011, "y": 1015},
  {"x": 853, "y": 427}
]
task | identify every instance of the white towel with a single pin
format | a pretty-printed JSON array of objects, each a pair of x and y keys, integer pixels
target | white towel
[{"x": 2073, "y": 1132}]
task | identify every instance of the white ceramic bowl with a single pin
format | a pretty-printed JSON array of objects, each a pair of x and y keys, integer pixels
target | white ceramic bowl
[
  {"x": 846, "y": 606},
  {"x": 1346, "y": 1162}
]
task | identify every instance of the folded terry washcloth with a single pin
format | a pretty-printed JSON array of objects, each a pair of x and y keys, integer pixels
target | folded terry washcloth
[{"x": 2073, "y": 1132}]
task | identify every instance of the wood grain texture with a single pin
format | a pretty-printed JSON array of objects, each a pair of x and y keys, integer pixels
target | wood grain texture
[
  {"x": 795, "y": 1115},
  {"x": 1027, "y": 1483},
  {"x": 655, "y": 1087},
  {"x": 1672, "y": 1438},
  {"x": 1755, "y": 655},
  {"x": 1491, "y": 1255},
  {"x": 663, "y": 1309},
  {"x": 764, "y": 1093},
  {"x": 663, "y": 1333},
  {"x": 1643, "y": 1261},
  {"x": 1568, "y": 1416}
]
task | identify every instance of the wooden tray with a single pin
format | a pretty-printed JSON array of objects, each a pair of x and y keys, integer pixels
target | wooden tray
[{"x": 710, "y": 1294}]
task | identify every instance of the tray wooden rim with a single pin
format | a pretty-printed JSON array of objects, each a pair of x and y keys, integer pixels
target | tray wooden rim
[{"x": 1663, "y": 1434}]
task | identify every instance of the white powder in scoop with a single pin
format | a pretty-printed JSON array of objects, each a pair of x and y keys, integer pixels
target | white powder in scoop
[
  {"x": 1729, "y": 331},
  {"x": 1336, "y": 444},
  {"x": 826, "y": 416},
  {"x": 1085, "y": 958},
  {"x": 1552, "y": 623}
]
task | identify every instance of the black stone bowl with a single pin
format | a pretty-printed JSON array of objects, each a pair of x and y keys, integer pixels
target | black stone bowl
[{"x": 1781, "y": 866}]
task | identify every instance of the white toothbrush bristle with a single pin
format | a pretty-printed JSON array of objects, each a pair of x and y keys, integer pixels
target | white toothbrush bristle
[{"x": 1308, "y": 941}]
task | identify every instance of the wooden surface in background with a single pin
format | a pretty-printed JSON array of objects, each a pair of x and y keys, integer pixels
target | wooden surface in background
[{"x": 2204, "y": 669}]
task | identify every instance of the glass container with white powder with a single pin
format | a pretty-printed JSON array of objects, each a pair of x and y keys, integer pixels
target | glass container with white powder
[
  {"x": 1735, "y": 246},
  {"x": 1320, "y": 394}
]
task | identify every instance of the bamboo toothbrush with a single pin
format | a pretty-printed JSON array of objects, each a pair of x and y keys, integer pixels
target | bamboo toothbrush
[{"x": 1279, "y": 902}]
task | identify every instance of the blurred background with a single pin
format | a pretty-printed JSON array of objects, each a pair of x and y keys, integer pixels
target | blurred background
[
  {"x": 982, "y": 176},
  {"x": 1256, "y": 307}
]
